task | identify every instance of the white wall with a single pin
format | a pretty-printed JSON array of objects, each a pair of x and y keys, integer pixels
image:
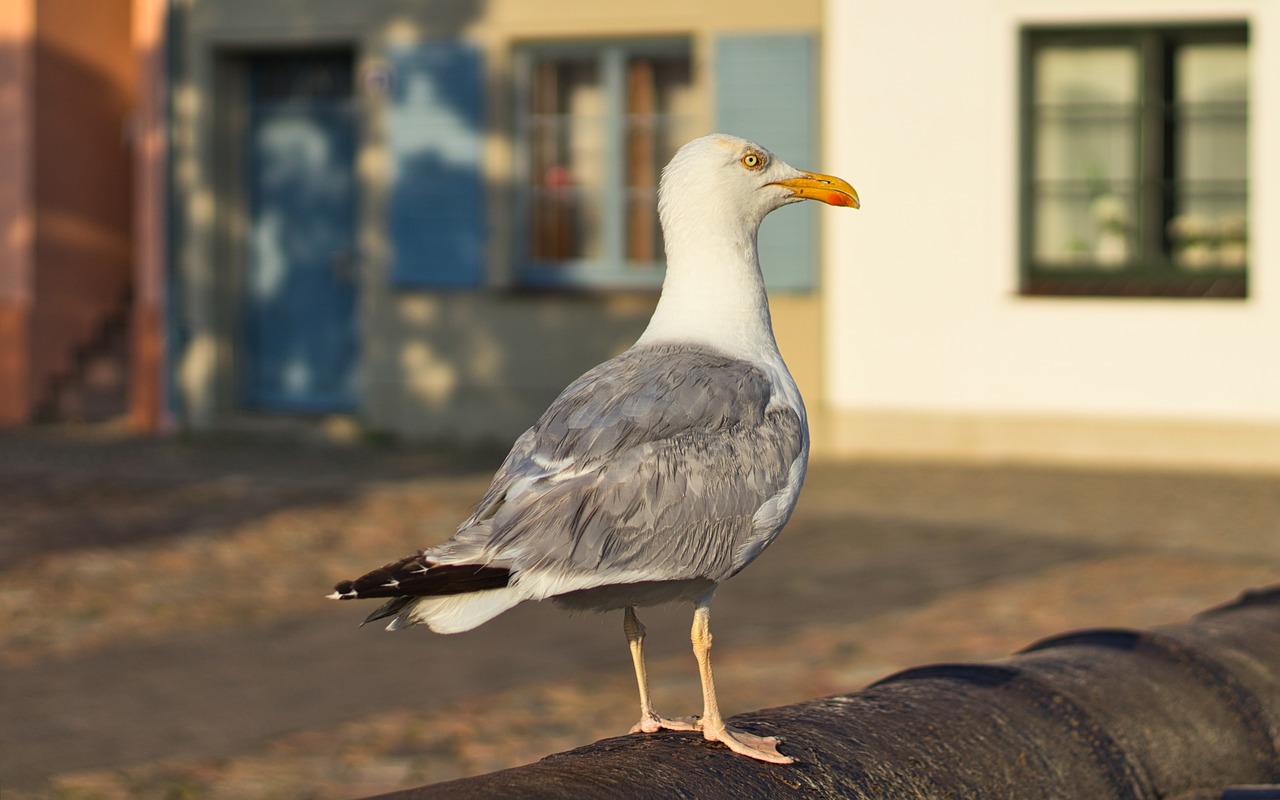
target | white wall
[{"x": 922, "y": 308}]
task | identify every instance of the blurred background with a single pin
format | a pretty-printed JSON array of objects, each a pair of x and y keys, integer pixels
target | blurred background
[{"x": 281, "y": 281}]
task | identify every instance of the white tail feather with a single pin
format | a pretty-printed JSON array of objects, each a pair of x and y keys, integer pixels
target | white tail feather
[{"x": 456, "y": 613}]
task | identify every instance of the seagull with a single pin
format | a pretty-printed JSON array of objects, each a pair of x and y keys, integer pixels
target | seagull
[{"x": 660, "y": 473}]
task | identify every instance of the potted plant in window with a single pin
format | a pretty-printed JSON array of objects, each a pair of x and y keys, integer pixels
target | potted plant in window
[
  {"x": 1192, "y": 237},
  {"x": 1111, "y": 214},
  {"x": 1233, "y": 234}
]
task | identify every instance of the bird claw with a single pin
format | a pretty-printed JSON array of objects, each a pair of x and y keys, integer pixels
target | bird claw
[
  {"x": 652, "y": 723},
  {"x": 761, "y": 748}
]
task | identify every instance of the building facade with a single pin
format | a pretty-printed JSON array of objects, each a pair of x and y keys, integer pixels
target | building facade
[
  {"x": 429, "y": 217},
  {"x": 81, "y": 137},
  {"x": 425, "y": 218},
  {"x": 1068, "y": 244}
]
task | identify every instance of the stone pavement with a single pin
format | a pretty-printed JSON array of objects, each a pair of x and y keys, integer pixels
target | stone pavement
[{"x": 164, "y": 632}]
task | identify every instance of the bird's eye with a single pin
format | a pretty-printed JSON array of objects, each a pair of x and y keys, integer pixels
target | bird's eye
[{"x": 753, "y": 161}]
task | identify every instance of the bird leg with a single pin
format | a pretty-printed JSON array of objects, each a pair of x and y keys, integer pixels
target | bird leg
[
  {"x": 649, "y": 719},
  {"x": 763, "y": 748}
]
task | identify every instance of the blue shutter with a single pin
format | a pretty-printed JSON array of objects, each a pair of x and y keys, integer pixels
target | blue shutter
[
  {"x": 436, "y": 217},
  {"x": 766, "y": 92}
]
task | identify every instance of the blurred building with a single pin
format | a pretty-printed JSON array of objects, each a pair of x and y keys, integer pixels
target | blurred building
[
  {"x": 78, "y": 333},
  {"x": 1068, "y": 245},
  {"x": 428, "y": 216},
  {"x": 434, "y": 215}
]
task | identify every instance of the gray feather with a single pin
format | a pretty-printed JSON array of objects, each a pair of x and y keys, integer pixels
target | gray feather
[{"x": 656, "y": 461}]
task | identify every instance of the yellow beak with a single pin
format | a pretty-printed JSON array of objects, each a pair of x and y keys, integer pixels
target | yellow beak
[{"x": 827, "y": 188}]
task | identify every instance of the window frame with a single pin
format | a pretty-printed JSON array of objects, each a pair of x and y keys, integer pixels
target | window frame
[
  {"x": 1154, "y": 274},
  {"x": 613, "y": 270}
]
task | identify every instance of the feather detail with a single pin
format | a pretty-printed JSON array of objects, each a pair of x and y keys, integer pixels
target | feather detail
[{"x": 415, "y": 576}]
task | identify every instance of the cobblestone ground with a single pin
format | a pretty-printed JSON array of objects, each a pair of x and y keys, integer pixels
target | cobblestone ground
[{"x": 163, "y": 632}]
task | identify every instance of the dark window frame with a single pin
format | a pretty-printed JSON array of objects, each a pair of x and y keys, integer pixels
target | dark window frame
[{"x": 1153, "y": 273}]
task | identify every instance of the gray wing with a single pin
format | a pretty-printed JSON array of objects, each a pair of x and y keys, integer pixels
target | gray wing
[{"x": 656, "y": 461}]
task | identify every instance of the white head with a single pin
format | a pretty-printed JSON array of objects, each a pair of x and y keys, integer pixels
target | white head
[
  {"x": 731, "y": 183},
  {"x": 711, "y": 201}
]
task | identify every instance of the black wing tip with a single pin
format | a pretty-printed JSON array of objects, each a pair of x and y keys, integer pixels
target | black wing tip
[
  {"x": 344, "y": 590},
  {"x": 416, "y": 576}
]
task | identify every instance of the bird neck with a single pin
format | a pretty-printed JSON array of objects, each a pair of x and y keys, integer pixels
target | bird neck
[{"x": 714, "y": 294}]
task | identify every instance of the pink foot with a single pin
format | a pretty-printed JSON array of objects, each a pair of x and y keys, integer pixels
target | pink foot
[
  {"x": 761, "y": 748},
  {"x": 652, "y": 723}
]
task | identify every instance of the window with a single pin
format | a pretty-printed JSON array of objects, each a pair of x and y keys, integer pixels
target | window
[
  {"x": 597, "y": 123},
  {"x": 1135, "y": 170}
]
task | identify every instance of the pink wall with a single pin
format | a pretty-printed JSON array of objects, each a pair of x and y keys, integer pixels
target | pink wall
[{"x": 67, "y": 173}]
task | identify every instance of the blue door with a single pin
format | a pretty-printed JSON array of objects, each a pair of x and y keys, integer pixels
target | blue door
[{"x": 299, "y": 328}]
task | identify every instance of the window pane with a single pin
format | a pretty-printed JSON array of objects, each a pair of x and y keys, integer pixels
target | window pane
[
  {"x": 1085, "y": 119},
  {"x": 567, "y": 150},
  {"x": 1093, "y": 145},
  {"x": 1212, "y": 73},
  {"x": 1086, "y": 74},
  {"x": 1212, "y": 145},
  {"x": 659, "y": 113},
  {"x": 1086, "y": 113},
  {"x": 1074, "y": 229},
  {"x": 1211, "y": 89},
  {"x": 599, "y": 123}
]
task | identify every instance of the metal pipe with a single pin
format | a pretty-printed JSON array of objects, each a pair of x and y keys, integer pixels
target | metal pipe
[{"x": 1185, "y": 710}]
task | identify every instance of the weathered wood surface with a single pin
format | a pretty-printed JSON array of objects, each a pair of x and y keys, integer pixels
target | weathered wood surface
[{"x": 1184, "y": 710}]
